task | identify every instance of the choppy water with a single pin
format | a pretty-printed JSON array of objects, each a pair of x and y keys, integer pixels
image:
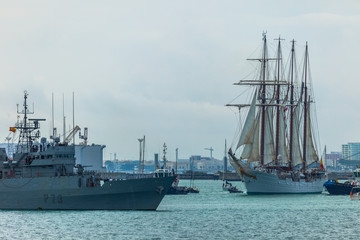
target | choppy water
[{"x": 211, "y": 214}]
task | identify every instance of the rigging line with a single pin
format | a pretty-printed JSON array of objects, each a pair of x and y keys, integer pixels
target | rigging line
[
  {"x": 252, "y": 72},
  {"x": 238, "y": 127},
  {"x": 256, "y": 50},
  {"x": 314, "y": 111},
  {"x": 243, "y": 92}
]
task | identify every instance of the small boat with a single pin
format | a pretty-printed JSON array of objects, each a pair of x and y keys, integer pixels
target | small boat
[
  {"x": 355, "y": 193},
  {"x": 226, "y": 186},
  {"x": 338, "y": 188},
  {"x": 334, "y": 187},
  {"x": 193, "y": 190},
  {"x": 234, "y": 190},
  {"x": 177, "y": 190}
]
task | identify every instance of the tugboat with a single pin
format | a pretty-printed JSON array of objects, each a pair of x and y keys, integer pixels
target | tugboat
[
  {"x": 338, "y": 188},
  {"x": 43, "y": 175}
]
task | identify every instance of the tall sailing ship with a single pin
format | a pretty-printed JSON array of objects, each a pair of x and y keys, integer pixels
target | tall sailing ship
[{"x": 276, "y": 150}]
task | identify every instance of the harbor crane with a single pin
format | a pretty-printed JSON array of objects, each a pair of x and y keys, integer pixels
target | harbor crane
[{"x": 211, "y": 150}]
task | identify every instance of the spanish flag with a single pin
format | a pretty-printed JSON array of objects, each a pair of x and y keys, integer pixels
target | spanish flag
[
  {"x": 321, "y": 164},
  {"x": 12, "y": 129}
]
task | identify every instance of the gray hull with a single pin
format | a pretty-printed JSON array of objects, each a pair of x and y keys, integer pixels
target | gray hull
[{"x": 73, "y": 193}]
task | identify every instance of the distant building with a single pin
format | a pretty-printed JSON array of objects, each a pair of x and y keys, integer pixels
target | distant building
[
  {"x": 9, "y": 147},
  {"x": 351, "y": 151},
  {"x": 183, "y": 165},
  {"x": 332, "y": 159},
  {"x": 200, "y": 164},
  {"x": 214, "y": 165},
  {"x": 193, "y": 159}
]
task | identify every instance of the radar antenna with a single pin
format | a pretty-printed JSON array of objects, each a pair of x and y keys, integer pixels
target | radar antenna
[{"x": 27, "y": 128}]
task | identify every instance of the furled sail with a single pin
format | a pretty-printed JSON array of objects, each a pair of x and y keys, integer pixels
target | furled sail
[
  {"x": 269, "y": 151},
  {"x": 283, "y": 151},
  {"x": 251, "y": 149},
  {"x": 311, "y": 155},
  {"x": 296, "y": 158},
  {"x": 248, "y": 129}
]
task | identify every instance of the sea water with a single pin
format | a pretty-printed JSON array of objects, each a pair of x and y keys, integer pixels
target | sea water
[{"x": 211, "y": 214}]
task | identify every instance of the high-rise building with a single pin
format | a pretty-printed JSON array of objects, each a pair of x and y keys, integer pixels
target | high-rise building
[{"x": 351, "y": 151}]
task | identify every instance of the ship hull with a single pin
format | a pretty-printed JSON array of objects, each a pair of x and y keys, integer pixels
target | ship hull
[
  {"x": 261, "y": 182},
  {"x": 73, "y": 193},
  {"x": 335, "y": 188},
  {"x": 268, "y": 183}
]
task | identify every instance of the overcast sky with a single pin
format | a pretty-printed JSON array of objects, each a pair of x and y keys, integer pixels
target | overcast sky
[{"x": 165, "y": 69}]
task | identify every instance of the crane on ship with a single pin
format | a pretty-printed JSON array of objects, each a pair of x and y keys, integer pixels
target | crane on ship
[{"x": 72, "y": 134}]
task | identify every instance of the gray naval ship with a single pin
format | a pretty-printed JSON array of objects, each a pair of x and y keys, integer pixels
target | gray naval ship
[{"x": 43, "y": 175}]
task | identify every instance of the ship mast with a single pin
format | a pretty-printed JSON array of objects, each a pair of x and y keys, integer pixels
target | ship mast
[
  {"x": 263, "y": 101},
  {"x": 305, "y": 108},
  {"x": 291, "y": 106},
  {"x": 25, "y": 133},
  {"x": 261, "y": 85},
  {"x": 278, "y": 104},
  {"x": 26, "y": 127}
]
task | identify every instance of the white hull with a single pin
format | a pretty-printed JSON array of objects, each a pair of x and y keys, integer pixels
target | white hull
[
  {"x": 259, "y": 182},
  {"x": 268, "y": 183},
  {"x": 355, "y": 197}
]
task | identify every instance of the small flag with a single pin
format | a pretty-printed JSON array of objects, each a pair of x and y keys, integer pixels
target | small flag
[
  {"x": 321, "y": 164},
  {"x": 12, "y": 129}
]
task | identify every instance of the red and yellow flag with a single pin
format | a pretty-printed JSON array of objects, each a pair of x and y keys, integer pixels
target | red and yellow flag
[
  {"x": 12, "y": 129},
  {"x": 321, "y": 164}
]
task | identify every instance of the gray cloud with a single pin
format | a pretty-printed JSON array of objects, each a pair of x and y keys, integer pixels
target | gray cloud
[{"x": 165, "y": 68}]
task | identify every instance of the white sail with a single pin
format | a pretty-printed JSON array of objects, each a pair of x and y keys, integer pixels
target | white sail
[
  {"x": 282, "y": 149},
  {"x": 296, "y": 157},
  {"x": 269, "y": 151},
  {"x": 251, "y": 149},
  {"x": 311, "y": 155},
  {"x": 247, "y": 131}
]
